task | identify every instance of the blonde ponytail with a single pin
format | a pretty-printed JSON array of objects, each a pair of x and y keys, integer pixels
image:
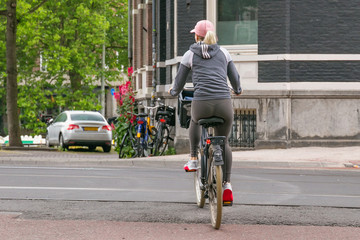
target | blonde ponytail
[{"x": 210, "y": 38}]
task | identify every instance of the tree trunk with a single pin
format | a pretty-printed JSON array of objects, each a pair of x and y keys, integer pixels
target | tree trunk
[
  {"x": 75, "y": 80},
  {"x": 3, "y": 111},
  {"x": 11, "y": 69}
]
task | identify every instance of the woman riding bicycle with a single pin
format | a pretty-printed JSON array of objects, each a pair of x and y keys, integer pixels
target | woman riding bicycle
[{"x": 210, "y": 65}]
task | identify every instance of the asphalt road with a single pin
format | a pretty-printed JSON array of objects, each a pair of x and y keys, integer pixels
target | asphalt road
[
  {"x": 48, "y": 201},
  {"x": 262, "y": 196},
  {"x": 292, "y": 187}
]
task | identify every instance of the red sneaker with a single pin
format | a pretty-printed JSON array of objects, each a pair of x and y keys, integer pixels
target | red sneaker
[{"x": 227, "y": 195}]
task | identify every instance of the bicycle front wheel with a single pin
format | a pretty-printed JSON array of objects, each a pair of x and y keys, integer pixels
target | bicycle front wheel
[
  {"x": 199, "y": 190},
  {"x": 215, "y": 193},
  {"x": 127, "y": 146}
]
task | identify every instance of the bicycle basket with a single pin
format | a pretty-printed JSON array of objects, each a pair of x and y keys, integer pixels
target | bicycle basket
[
  {"x": 166, "y": 109},
  {"x": 184, "y": 107}
]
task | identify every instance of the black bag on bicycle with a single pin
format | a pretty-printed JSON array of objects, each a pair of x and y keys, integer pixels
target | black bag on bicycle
[
  {"x": 184, "y": 107},
  {"x": 168, "y": 112}
]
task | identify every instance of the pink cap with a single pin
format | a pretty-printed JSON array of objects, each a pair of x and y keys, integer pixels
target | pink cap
[{"x": 202, "y": 27}]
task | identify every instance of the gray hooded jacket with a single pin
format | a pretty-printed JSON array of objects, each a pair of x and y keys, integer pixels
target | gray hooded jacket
[{"x": 210, "y": 65}]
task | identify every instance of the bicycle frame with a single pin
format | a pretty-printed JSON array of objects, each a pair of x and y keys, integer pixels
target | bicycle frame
[{"x": 142, "y": 130}]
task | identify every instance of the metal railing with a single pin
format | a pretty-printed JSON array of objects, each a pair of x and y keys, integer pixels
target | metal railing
[{"x": 243, "y": 131}]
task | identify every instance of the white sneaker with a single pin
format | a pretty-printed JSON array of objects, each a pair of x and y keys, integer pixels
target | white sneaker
[{"x": 191, "y": 166}]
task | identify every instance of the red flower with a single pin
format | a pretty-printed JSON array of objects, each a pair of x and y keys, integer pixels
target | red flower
[
  {"x": 117, "y": 95},
  {"x": 133, "y": 119},
  {"x": 130, "y": 71},
  {"x": 132, "y": 98}
]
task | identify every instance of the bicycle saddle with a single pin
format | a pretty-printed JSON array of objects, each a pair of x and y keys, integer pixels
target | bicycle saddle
[
  {"x": 210, "y": 122},
  {"x": 164, "y": 113}
]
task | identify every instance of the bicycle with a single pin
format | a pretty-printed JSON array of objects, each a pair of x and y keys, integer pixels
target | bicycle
[
  {"x": 145, "y": 139},
  {"x": 128, "y": 144},
  {"x": 145, "y": 133},
  {"x": 208, "y": 181},
  {"x": 165, "y": 117},
  {"x": 139, "y": 138}
]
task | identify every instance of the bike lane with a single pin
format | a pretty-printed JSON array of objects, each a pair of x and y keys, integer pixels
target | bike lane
[{"x": 12, "y": 227}]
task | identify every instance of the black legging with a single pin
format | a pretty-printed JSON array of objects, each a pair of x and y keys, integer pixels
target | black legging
[{"x": 212, "y": 108}]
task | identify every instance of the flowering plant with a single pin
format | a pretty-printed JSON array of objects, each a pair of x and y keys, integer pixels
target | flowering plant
[{"x": 125, "y": 98}]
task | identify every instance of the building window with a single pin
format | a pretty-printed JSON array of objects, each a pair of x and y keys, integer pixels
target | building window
[{"x": 237, "y": 22}]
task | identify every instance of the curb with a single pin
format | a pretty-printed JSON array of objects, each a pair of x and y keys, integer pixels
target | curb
[
  {"x": 158, "y": 163},
  {"x": 169, "y": 161},
  {"x": 28, "y": 148}
]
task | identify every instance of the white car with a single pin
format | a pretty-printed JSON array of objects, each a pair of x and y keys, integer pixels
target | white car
[{"x": 79, "y": 128}]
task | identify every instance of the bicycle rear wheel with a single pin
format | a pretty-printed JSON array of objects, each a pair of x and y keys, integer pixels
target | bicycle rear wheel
[
  {"x": 215, "y": 193},
  {"x": 161, "y": 140},
  {"x": 140, "y": 151}
]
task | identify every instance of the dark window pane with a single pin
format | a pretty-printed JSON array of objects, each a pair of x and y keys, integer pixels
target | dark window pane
[{"x": 237, "y": 22}]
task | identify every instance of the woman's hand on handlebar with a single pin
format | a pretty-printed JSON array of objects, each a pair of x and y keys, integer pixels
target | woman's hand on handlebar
[{"x": 237, "y": 94}]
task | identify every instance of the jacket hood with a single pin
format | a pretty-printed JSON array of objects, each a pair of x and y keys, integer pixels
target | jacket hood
[{"x": 205, "y": 51}]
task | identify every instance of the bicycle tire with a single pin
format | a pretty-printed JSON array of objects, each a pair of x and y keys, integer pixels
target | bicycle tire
[
  {"x": 161, "y": 140},
  {"x": 215, "y": 192},
  {"x": 139, "y": 147},
  {"x": 127, "y": 141},
  {"x": 199, "y": 193}
]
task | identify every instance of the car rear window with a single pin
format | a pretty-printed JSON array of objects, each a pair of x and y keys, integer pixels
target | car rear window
[{"x": 86, "y": 117}]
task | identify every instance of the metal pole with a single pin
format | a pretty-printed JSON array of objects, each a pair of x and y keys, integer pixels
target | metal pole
[
  {"x": 130, "y": 32},
  {"x": 103, "y": 81},
  {"x": 153, "y": 57},
  {"x": 102, "y": 96}
]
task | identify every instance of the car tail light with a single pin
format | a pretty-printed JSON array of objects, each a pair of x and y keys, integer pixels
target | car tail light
[
  {"x": 72, "y": 127},
  {"x": 162, "y": 120},
  {"x": 106, "y": 127}
]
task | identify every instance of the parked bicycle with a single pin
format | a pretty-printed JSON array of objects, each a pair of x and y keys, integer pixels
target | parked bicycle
[
  {"x": 145, "y": 133},
  {"x": 128, "y": 143},
  {"x": 165, "y": 117},
  {"x": 144, "y": 139}
]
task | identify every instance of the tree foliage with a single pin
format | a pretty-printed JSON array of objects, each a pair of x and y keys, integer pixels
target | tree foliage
[{"x": 59, "y": 54}]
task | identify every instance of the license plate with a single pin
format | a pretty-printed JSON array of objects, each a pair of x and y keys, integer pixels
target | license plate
[{"x": 90, "y": 128}]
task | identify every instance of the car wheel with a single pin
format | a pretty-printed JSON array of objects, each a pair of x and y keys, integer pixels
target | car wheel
[
  {"x": 106, "y": 148},
  {"x": 63, "y": 146}
]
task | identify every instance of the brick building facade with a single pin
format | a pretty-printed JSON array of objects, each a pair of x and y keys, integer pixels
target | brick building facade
[{"x": 298, "y": 60}]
